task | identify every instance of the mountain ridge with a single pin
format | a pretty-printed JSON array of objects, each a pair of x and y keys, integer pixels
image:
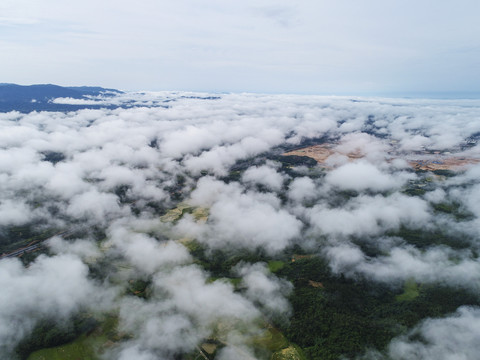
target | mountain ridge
[{"x": 25, "y": 98}]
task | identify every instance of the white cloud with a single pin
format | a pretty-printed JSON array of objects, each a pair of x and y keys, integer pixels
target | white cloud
[
  {"x": 95, "y": 206},
  {"x": 265, "y": 289},
  {"x": 52, "y": 287},
  {"x": 302, "y": 189},
  {"x": 99, "y": 151},
  {"x": 453, "y": 337},
  {"x": 362, "y": 175},
  {"x": 147, "y": 254},
  {"x": 72, "y": 101},
  {"x": 365, "y": 215},
  {"x": 84, "y": 249},
  {"x": 14, "y": 213},
  {"x": 241, "y": 220},
  {"x": 263, "y": 175}
]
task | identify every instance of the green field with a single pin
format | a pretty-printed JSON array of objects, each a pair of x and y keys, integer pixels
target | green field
[
  {"x": 83, "y": 348},
  {"x": 87, "y": 346},
  {"x": 410, "y": 292},
  {"x": 275, "y": 265}
]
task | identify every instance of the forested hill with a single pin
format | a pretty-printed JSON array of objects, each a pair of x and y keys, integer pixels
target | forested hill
[{"x": 38, "y": 97}]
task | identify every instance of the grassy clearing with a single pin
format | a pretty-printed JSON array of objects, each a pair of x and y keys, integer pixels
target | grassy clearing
[
  {"x": 293, "y": 352},
  {"x": 410, "y": 291},
  {"x": 272, "y": 339},
  {"x": 85, "y": 347},
  {"x": 175, "y": 214},
  {"x": 275, "y": 265},
  {"x": 190, "y": 244},
  {"x": 198, "y": 213}
]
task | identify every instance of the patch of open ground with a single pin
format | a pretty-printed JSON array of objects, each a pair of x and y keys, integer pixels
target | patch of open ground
[
  {"x": 199, "y": 214},
  {"x": 290, "y": 353},
  {"x": 443, "y": 162},
  {"x": 421, "y": 160}
]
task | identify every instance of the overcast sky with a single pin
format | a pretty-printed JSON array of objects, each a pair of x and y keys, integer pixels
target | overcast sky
[{"x": 309, "y": 46}]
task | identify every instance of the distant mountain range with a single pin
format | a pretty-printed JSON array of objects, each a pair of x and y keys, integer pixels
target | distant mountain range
[{"x": 38, "y": 97}]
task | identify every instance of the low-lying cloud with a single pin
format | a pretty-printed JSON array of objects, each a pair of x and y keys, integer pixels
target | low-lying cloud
[
  {"x": 452, "y": 337},
  {"x": 107, "y": 176}
]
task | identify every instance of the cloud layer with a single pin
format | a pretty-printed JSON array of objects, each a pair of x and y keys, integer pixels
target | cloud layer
[{"x": 107, "y": 176}]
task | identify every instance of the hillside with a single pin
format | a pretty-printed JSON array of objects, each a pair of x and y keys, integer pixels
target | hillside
[{"x": 39, "y": 97}]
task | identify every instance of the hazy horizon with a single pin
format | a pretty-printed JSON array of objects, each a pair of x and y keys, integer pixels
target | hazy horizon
[{"x": 433, "y": 95}]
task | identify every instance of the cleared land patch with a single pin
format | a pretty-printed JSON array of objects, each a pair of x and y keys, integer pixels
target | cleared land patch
[{"x": 420, "y": 160}]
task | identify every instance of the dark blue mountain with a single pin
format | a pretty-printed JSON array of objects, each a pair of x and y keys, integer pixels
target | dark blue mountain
[{"x": 38, "y": 97}]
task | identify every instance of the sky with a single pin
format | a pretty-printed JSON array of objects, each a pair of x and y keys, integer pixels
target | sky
[{"x": 264, "y": 46}]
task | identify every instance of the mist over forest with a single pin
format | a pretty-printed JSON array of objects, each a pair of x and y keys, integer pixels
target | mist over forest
[{"x": 176, "y": 225}]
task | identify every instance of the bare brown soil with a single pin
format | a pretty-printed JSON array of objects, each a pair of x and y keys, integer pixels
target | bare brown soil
[
  {"x": 296, "y": 257},
  {"x": 425, "y": 161},
  {"x": 315, "y": 284},
  {"x": 322, "y": 152},
  {"x": 444, "y": 163}
]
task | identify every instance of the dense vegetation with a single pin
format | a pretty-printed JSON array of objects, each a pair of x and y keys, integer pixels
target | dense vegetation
[
  {"x": 345, "y": 316},
  {"x": 333, "y": 316},
  {"x": 49, "y": 333}
]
